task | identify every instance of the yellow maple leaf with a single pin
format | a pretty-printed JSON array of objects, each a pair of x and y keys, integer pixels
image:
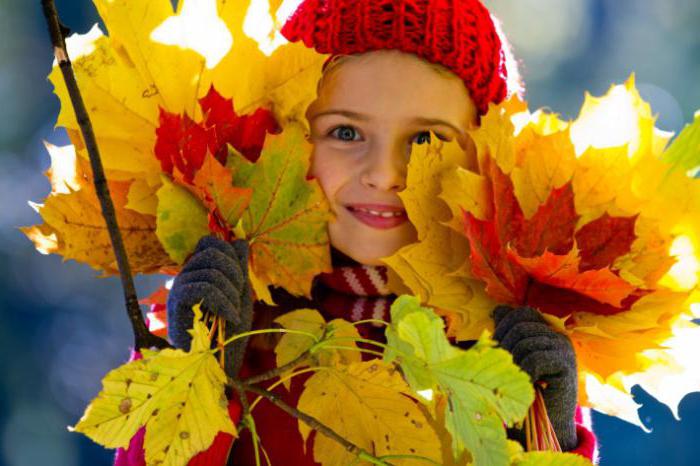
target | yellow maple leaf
[
  {"x": 537, "y": 176},
  {"x": 379, "y": 416},
  {"x": 619, "y": 118},
  {"x": 293, "y": 345},
  {"x": 178, "y": 396},
  {"x": 75, "y": 228},
  {"x": 284, "y": 79},
  {"x": 432, "y": 267}
]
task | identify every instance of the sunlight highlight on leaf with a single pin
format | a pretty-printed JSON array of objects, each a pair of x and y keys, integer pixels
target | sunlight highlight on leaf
[
  {"x": 197, "y": 26},
  {"x": 684, "y": 273}
]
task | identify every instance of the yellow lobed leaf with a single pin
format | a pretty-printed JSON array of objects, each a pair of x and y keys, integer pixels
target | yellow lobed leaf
[
  {"x": 293, "y": 345},
  {"x": 178, "y": 396},
  {"x": 464, "y": 190},
  {"x": 494, "y": 137},
  {"x": 121, "y": 107},
  {"x": 381, "y": 418},
  {"x": 130, "y": 25},
  {"x": 75, "y": 228},
  {"x": 606, "y": 345},
  {"x": 285, "y": 80},
  {"x": 432, "y": 267},
  {"x": 142, "y": 197},
  {"x": 286, "y": 221},
  {"x": 609, "y": 397},
  {"x": 597, "y": 184},
  {"x": 536, "y": 177},
  {"x": 619, "y": 118}
]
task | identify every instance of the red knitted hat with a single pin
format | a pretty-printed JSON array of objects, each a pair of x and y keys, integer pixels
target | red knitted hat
[{"x": 458, "y": 34}]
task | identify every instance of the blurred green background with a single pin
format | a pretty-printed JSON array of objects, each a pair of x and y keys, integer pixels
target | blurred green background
[{"x": 62, "y": 328}]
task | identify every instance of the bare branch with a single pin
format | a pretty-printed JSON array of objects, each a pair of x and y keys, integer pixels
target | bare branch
[
  {"x": 310, "y": 421},
  {"x": 142, "y": 337}
]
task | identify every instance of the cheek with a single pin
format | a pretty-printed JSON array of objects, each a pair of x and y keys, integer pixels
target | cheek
[{"x": 332, "y": 170}]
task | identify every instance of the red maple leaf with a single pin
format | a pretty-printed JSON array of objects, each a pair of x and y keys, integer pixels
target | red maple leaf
[
  {"x": 543, "y": 261},
  {"x": 183, "y": 143}
]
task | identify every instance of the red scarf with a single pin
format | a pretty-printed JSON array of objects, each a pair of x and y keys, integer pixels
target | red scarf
[{"x": 354, "y": 293}]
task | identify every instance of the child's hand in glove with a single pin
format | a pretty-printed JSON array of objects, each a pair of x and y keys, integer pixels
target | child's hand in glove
[
  {"x": 217, "y": 276},
  {"x": 546, "y": 356}
]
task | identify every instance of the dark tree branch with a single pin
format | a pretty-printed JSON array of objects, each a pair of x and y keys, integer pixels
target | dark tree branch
[
  {"x": 142, "y": 337},
  {"x": 276, "y": 371},
  {"x": 310, "y": 421}
]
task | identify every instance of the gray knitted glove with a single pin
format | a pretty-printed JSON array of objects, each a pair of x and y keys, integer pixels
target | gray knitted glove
[
  {"x": 547, "y": 356},
  {"x": 217, "y": 276}
]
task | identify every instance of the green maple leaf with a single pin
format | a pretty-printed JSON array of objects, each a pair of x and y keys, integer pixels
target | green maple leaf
[
  {"x": 484, "y": 389},
  {"x": 684, "y": 152},
  {"x": 286, "y": 221},
  {"x": 181, "y": 220}
]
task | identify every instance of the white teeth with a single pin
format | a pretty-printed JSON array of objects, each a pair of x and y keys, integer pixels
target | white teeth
[{"x": 380, "y": 214}]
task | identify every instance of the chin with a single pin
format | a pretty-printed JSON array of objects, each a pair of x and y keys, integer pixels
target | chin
[
  {"x": 367, "y": 245},
  {"x": 370, "y": 249}
]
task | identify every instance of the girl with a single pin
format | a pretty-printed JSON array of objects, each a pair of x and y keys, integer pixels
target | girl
[{"x": 399, "y": 71}]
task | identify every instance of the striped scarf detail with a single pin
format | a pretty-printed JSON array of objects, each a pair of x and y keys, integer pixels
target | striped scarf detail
[{"x": 357, "y": 292}]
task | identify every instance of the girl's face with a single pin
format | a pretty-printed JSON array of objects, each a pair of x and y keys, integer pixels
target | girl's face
[{"x": 370, "y": 110}]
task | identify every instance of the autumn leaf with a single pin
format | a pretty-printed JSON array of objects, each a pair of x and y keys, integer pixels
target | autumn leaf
[
  {"x": 684, "y": 152},
  {"x": 286, "y": 221},
  {"x": 184, "y": 144},
  {"x": 265, "y": 70},
  {"x": 75, "y": 228},
  {"x": 293, "y": 345},
  {"x": 432, "y": 268},
  {"x": 182, "y": 220},
  {"x": 178, "y": 396},
  {"x": 534, "y": 261},
  {"x": 563, "y": 271},
  {"x": 213, "y": 184},
  {"x": 379, "y": 415},
  {"x": 538, "y": 176},
  {"x": 484, "y": 388}
]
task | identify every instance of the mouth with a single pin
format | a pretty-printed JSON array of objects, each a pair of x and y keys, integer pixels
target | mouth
[{"x": 379, "y": 216}]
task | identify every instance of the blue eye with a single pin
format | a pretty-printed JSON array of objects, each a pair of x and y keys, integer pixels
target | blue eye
[
  {"x": 345, "y": 133},
  {"x": 422, "y": 138}
]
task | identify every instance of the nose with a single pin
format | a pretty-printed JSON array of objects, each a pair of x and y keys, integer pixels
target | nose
[{"x": 385, "y": 168}]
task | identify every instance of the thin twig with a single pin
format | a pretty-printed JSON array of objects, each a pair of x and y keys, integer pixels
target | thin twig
[
  {"x": 310, "y": 421},
  {"x": 277, "y": 371},
  {"x": 142, "y": 337},
  {"x": 247, "y": 416}
]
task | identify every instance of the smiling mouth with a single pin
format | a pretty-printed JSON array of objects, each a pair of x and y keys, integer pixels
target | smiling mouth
[
  {"x": 378, "y": 216},
  {"x": 378, "y": 213}
]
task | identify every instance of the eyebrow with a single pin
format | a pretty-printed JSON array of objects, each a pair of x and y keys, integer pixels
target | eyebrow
[{"x": 361, "y": 117}]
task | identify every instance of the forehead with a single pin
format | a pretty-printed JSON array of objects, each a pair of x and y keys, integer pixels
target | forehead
[{"x": 395, "y": 85}]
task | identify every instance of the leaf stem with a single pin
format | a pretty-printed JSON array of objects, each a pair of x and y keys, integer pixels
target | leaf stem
[
  {"x": 238, "y": 336},
  {"x": 369, "y": 321},
  {"x": 412, "y": 457},
  {"x": 142, "y": 337},
  {"x": 353, "y": 348},
  {"x": 250, "y": 422}
]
